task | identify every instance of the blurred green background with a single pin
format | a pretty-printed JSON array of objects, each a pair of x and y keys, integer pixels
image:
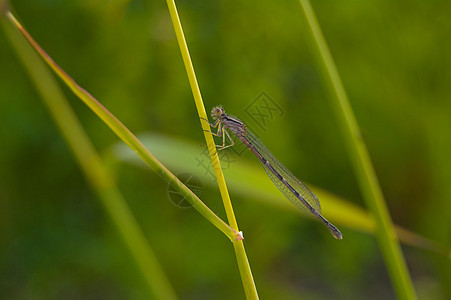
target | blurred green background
[{"x": 56, "y": 241}]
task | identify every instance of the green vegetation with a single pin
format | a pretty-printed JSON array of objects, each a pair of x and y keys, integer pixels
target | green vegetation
[{"x": 58, "y": 242}]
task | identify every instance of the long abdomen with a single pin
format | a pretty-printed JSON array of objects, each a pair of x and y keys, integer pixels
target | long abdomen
[{"x": 333, "y": 230}]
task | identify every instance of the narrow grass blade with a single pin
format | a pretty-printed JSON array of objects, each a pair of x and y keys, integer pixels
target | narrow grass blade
[
  {"x": 180, "y": 156},
  {"x": 92, "y": 167},
  {"x": 243, "y": 263},
  {"x": 128, "y": 138},
  {"x": 361, "y": 161}
]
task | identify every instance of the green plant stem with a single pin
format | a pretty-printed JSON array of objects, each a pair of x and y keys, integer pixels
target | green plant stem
[
  {"x": 128, "y": 137},
  {"x": 243, "y": 263},
  {"x": 92, "y": 167},
  {"x": 362, "y": 164}
]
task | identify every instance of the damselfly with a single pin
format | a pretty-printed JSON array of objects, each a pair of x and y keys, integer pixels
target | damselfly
[{"x": 295, "y": 191}]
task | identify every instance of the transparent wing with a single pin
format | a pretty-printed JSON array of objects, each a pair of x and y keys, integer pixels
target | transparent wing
[{"x": 300, "y": 187}]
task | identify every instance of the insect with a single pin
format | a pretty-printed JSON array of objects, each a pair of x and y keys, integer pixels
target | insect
[{"x": 293, "y": 189}]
